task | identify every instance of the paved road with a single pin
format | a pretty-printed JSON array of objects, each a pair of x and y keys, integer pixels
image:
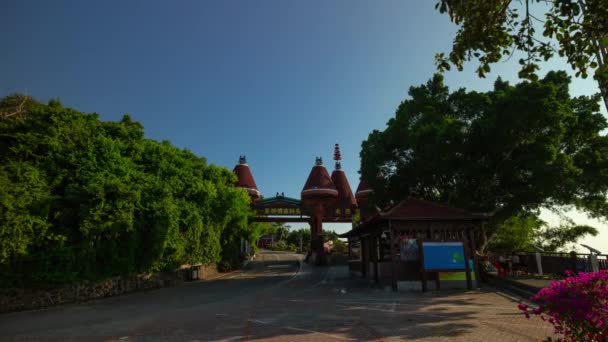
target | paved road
[{"x": 278, "y": 298}]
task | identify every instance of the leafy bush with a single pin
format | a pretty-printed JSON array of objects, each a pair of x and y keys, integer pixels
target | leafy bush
[
  {"x": 228, "y": 265},
  {"x": 577, "y": 307},
  {"x": 340, "y": 247},
  {"x": 85, "y": 199},
  {"x": 284, "y": 246}
]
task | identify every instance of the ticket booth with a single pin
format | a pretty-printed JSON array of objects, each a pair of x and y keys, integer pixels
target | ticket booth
[{"x": 417, "y": 245}]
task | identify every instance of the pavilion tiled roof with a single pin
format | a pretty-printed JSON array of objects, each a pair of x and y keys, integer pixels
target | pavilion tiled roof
[
  {"x": 417, "y": 209},
  {"x": 413, "y": 209}
]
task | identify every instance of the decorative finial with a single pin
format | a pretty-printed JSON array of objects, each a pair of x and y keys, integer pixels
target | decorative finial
[
  {"x": 242, "y": 159},
  {"x": 319, "y": 161},
  {"x": 337, "y": 156}
]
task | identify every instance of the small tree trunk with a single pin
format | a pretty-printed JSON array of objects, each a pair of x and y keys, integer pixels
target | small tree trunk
[{"x": 483, "y": 239}]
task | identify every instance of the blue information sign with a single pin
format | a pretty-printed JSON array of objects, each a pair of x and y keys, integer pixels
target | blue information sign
[{"x": 443, "y": 256}]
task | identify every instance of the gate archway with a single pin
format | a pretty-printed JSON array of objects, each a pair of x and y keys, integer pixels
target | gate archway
[{"x": 323, "y": 198}]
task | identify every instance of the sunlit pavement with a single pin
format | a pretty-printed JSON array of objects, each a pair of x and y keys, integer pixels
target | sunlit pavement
[{"x": 278, "y": 298}]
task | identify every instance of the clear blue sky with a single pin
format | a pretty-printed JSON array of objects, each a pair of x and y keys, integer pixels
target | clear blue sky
[{"x": 280, "y": 81}]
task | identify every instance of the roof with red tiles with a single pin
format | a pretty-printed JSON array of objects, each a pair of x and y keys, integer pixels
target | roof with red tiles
[{"x": 417, "y": 209}]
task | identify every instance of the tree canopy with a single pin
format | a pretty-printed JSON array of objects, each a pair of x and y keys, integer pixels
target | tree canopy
[
  {"x": 81, "y": 198},
  {"x": 492, "y": 30},
  {"x": 514, "y": 149},
  {"x": 525, "y": 232}
]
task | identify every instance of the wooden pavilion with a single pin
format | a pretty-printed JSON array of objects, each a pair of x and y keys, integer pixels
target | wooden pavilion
[{"x": 391, "y": 246}]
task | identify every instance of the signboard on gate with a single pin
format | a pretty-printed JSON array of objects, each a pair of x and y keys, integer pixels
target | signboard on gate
[{"x": 443, "y": 256}]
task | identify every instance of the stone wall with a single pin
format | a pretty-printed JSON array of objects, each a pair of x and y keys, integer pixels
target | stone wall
[{"x": 16, "y": 299}]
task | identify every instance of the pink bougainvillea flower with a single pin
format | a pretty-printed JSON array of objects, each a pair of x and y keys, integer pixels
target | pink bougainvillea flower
[{"x": 577, "y": 306}]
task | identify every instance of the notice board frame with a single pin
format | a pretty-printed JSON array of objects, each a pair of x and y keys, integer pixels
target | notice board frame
[{"x": 424, "y": 272}]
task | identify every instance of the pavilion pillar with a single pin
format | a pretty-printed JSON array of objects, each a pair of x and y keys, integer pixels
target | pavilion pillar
[
  {"x": 473, "y": 249},
  {"x": 467, "y": 268},
  {"x": 375, "y": 256},
  {"x": 392, "y": 249}
]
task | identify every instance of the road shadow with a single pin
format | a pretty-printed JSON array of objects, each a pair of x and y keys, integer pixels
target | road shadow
[{"x": 266, "y": 300}]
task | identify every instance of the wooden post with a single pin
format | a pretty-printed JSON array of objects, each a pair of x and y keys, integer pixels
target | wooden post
[
  {"x": 364, "y": 256},
  {"x": 375, "y": 257},
  {"x": 466, "y": 265},
  {"x": 475, "y": 259},
  {"x": 422, "y": 270},
  {"x": 392, "y": 249}
]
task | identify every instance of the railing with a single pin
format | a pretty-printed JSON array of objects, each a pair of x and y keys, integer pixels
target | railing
[{"x": 550, "y": 263}]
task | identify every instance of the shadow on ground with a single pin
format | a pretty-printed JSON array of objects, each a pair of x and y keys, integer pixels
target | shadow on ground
[{"x": 278, "y": 298}]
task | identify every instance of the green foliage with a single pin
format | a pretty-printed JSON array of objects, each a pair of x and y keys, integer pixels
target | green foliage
[
  {"x": 85, "y": 199},
  {"x": 522, "y": 232},
  {"x": 490, "y": 30},
  {"x": 340, "y": 247},
  {"x": 510, "y": 150},
  {"x": 557, "y": 239},
  {"x": 516, "y": 234},
  {"x": 280, "y": 230},
  {"x": 284, "y": 246},
  {"x": 302, "y": 234}
]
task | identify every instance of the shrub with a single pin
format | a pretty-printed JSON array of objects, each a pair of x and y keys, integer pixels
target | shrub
[
  {"x": 577, "y": 307},
  {"x": 284, "y": 246},
  {"x": 85, "y": 199}
]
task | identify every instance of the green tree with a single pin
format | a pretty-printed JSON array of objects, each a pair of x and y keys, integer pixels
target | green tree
[
  {"x": 491, "y": 30},
  {"x": 516, "y": 234},
  {"x": 86, "y": 199},
  {"x": 522, "y": 232},
  {"x": 281, "y": 231},
  {"x": 510, "y": 150},
  {"x": 295, "y": 236},
  {"x": 561, "y": 238}
]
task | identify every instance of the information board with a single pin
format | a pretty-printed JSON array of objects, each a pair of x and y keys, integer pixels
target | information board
[{"x": 443, "y": 256}]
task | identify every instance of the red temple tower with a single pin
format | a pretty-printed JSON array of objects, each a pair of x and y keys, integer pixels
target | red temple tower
[
  {"x": 319, "y": 197},
  {"x": 245, "y": 179},
  {"x": 362, "y": 195},
  {"x": 346, "y": 202}
]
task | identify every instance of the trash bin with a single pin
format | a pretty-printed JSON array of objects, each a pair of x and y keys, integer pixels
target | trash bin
[{"x": 193, "y": 274}]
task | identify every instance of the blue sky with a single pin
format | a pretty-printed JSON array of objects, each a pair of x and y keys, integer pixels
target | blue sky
[{"x": 280, "y": 81}]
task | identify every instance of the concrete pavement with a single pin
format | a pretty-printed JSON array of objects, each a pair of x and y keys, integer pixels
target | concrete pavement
[{"x": 277, "y": 298}]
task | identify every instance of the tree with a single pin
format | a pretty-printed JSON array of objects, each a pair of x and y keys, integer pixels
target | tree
[
  {"x": 557, "y": 239},
  {"x": 301, "y": 235},
  {"x": 510, "y": 150},
  {"x": 85, "y": 199},
  {"x": 281, "y": 230},
  {"x": 516, "y": 234},
  {"x": 524, "y": 231},
  {"x": 491, "y": 30}
]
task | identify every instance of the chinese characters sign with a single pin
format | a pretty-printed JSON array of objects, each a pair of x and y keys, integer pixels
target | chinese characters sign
[{"x": 282, "y": 211}]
